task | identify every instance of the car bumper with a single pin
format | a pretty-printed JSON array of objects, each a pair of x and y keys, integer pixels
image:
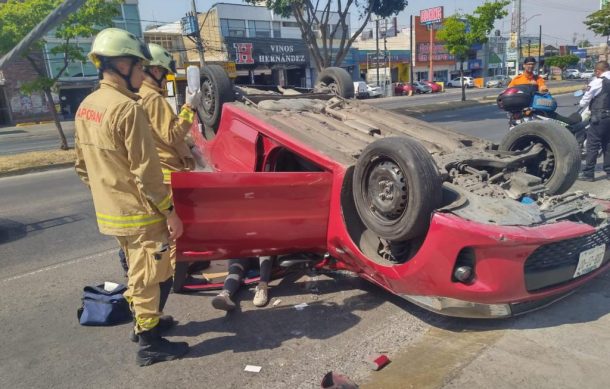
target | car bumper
[{"x": 517, "y": 269}]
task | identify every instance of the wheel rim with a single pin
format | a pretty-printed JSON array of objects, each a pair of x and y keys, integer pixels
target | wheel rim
[
  {"x": 542, "y": 166},
  {"x": 385, "y": 191},
  {"x": 208, "y": 97}
]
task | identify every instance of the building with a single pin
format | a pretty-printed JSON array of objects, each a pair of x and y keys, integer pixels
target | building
[
  {"x": 80, "y": 78},
  {"x": 443, "y": 63},
  {"x": 169, "y": 36}
]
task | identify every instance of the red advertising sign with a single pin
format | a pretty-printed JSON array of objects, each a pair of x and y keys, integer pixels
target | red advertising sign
[{"x": 431, "y": 15}]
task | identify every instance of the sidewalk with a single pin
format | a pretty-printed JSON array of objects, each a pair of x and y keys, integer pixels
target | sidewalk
[{"x": 44, "y": 129}]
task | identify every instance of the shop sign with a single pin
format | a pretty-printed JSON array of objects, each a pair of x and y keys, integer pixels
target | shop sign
[
  {"x": 431, "y": 15},
  {"x": 474, "y": 64},
  {"x": 439, "y": 52},
  {"x": 251, "y": 51}
]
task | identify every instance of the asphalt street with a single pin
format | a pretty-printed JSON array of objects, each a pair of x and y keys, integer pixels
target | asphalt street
[
  {"x": 50, "y": 249},
  {"x": 15, "y": 140}
]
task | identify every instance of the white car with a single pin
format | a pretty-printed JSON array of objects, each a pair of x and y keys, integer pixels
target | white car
[
  {"x": 364, "y": 90},
  {"x": 571, "y": 73},
  {"x": 586, "y": 74},
  {"x": 497, "y": 82},
  {"x": 457, "y": 82}
]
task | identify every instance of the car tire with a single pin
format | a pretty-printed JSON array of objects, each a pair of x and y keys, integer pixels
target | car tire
[
  {"x": 561, "y": 153},
  {"x": 216, "y": 89},
  {"x": 396, "y": 188},
  {"x": 180, "y": 274},
  {"x": 338, "y": 80}
]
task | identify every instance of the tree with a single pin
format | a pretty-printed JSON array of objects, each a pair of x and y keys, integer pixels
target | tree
[
  {"x": 599, "y": 22},
  {"x": 330, "y": 20},
  {"x": 584, "y": 43},
  {"x": 562, "y": 61},
  {"x": 20, "y": 17},
  {"x": 460, "y": 32}
]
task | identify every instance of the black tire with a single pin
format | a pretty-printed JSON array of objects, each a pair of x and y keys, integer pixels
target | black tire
[
  {"x": 560, "y": 162},
  {"x": 338, "y": 80},
  {"x": 411, "y": 179},
  {"x": 216, "y": 89},
  {"x": 180, "y": 275}
]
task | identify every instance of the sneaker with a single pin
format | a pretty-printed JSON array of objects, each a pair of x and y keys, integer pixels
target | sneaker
[
  {"x": 586, "y": 177},
  {"x": 261, "y": 297},
  {"x": 153, "y": 348},
  {"x": 166, "y": 322},
  {"x": 223, "y": 301}
]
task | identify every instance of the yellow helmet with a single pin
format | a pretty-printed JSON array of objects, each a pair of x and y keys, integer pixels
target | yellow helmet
[
  {"x": 114, "y": 42},
  {"x": 160, "y": 57}
]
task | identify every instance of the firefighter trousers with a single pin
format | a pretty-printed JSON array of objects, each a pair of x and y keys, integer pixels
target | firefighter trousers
[{"x": 148, "y": 256}]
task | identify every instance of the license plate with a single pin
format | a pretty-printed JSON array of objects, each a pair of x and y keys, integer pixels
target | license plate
[{"x": 590, "y": 260}]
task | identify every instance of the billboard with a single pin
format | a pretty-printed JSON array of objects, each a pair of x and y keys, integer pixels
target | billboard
[{"x": 431, "y": 15}]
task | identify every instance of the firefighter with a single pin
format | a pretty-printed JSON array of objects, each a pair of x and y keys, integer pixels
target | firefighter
[
  {"x": 117, "y": 159},
  {"x": 169, "y": 129}
]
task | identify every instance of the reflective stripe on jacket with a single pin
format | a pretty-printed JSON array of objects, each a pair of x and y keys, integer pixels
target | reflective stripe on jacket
[
  {"x": 169, "y": 130},
  {"x": 117, "y": 159}
]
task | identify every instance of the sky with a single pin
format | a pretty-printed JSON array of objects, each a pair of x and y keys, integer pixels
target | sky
[{"x": 560, "y": 19}]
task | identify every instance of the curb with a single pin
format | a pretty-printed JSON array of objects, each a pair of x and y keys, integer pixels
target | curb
[{"x": 34, "y": 169}]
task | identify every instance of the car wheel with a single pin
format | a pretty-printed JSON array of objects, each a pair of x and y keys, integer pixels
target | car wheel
[
  {"x": 338, "y": 80},
  {"x": 558, "y": 165},
  {"x": 216, "y": 89},
  {"x": 180, "y": 275},
  {"x": 396, "y": 188}
]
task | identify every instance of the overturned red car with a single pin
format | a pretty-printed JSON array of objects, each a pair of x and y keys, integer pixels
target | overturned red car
[{"x": 450, "y": 222}]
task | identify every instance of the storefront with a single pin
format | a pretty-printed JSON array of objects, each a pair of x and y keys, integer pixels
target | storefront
[
  {"x": 396, "y": 60},
  {"x": 442, "y": 61},
  {"x": 268, "y": 61}
]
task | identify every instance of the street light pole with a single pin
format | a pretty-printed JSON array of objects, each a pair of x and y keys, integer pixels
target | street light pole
[{"x": 198, "y": 41}]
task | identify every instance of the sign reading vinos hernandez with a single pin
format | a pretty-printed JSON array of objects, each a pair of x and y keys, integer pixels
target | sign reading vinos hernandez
[{"x": 253, "y": 51}]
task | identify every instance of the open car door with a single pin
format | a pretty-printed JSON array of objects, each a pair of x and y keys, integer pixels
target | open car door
[{"x": 236, "y": 215}]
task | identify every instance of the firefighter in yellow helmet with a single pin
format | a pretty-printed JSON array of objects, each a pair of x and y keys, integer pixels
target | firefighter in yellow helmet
[
  {"x": 117, "y": 159},
  {"x": 169, "y": 129}
]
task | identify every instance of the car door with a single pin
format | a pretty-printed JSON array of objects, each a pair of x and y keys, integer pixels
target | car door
[{"x": 235, "y": 215}]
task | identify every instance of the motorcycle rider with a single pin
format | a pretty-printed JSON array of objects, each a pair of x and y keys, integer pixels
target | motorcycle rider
[
  {"x": 528, "y": 77},
  {"x": 598, "y": 135},
  {"x": 116, "y": 158}
]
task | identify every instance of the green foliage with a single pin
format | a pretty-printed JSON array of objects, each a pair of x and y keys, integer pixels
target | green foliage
[
  {"x": 18, "y": 18},
  {"x": 460, "y": 32},
  {"x": 562, "y": 61},
  {"x": 599, "y": 21}
]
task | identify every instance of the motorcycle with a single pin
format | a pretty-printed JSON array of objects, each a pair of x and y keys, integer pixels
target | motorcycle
[{"x": 523, "y": 104}]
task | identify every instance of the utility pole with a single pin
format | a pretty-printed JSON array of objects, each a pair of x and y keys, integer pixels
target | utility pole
[
  {"x": 518, "y": 37},
  {"x": 539, "y": 46},
  {"x": 377, "y": 47},
  {"x": 411, "y": 33},
  {"x": 198, "y": 42}
]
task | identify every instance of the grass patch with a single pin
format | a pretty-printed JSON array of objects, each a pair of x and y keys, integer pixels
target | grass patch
[{"x": 35, "y": 160}]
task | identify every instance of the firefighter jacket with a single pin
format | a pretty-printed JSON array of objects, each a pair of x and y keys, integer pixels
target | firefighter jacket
[
  {"x": 169, "y": 130},
  {"x": 117, "y": 159}
]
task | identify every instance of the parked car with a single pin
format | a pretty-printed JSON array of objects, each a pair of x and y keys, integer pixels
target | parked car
[
  {"x": 401, "y": 89},
  {"x": 457, "y": 82},
  {"x": 586, "y": 74},
  {"x": 433, "y": 85},
  {"x": 363, "y": 90},
  {"x": 453, "y": 223},
  {"x": 498, "y": 82},
  {"x": 571, "y": 73},
  {"x": 374, "y": 91},
  {"x": 420, "y": 87}
]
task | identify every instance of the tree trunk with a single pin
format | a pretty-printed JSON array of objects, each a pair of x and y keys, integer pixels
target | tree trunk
[
  {"x": 462, "y": 78},
  {"x": 62, "y": 136}
]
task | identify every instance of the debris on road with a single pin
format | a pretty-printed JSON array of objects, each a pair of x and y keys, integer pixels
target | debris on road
[
  {"x": 276, "y": 302},
  {"x": 300, "y": 307},
  {"x": 335, "y": 380},
  {"x": 377, "y": 362},
  {"x": 253, "y": 368}
]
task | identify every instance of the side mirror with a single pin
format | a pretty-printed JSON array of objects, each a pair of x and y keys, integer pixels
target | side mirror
[
  {"x": 578, "y": 93},
  {"x": 193, "y": 77}
]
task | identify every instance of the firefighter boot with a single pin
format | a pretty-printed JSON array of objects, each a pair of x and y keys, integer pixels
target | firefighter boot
[
  {"x": 153, "y": 348},
  {"x": 166, "y": 322}
]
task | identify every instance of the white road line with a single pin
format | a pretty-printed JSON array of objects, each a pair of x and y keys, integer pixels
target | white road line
[{"x": 58, "y": 265}]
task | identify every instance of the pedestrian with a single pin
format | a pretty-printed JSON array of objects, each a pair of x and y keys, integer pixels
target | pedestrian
[
  {"x": 598, "y": 134},
  {"x": 117, "y": 159},
  {"x": 169, "y": 129},
  {"x": 237, "y": 271},
  {"x": 528, "y": 77}
]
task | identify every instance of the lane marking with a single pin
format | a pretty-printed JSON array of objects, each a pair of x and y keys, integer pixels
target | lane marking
[{"x": 58, "y": 265}]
